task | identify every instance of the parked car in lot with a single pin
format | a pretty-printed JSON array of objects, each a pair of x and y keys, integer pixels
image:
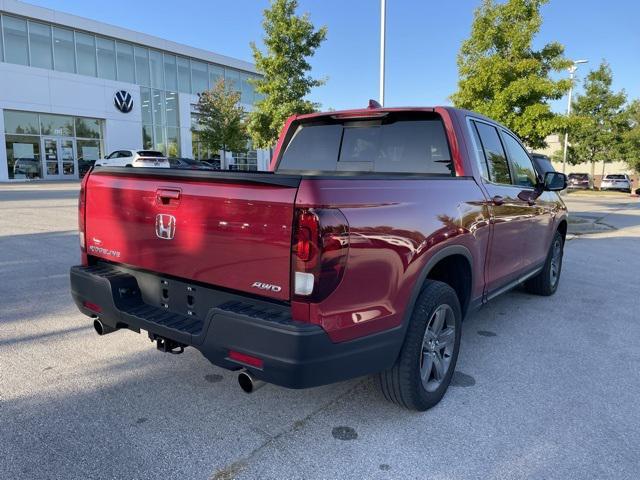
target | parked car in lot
[
  {"x": 616, "y": 181},
  {"x": 134, "y": 158},
  {"x": 376, "y": 232},
  {"x": 188, "y": 163},
  {"x": 581, "y": 181},
  {"x": 84, "y": 166}
]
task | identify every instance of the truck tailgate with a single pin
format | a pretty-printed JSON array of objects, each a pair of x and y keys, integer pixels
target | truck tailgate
[{"x": 231, "y": 230}]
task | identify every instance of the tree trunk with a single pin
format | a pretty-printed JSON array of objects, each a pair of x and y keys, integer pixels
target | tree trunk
[
  {"x": 593, "y": 169},
  {"x": 603, "y": 164}
]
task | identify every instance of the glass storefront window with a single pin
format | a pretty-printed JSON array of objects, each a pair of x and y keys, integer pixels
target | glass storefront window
[
  {"x": 159, "y": 141},
  {"x": 184, "y": 75},
  {"x": 1, "y": 42},
  {"x": 16, "y": 47},
  {"x": 86, "y": 51},
  {"x": 145, "y": 104},
  {"x": 58, "y": 125},
  {"x": 70, "y": 143},
  {"x": 232, "y": 80},
  {"x": 157, "y": 74},
  {"x": 106, "y": 58},
  {"x": 23, "y": 156},
  {"x": 173, "y": 143},
  {"x": 170, "y": 73},
  {"x": 40, "y": 45},
  {"x": 246, "y": 90},
  {"x": 147, "y": 137},
  {"x": 199, "y": 80},
  {"x": 88, "y": 128},
  {"x": 21, "y": 122},
  {"x": 157, "y": 104},
  {"x": 88, "y": 152},
  {"x": 124, "y": 56},
  {"x": 64, "y": 52},
  {"x": 216, "y": 74},
  {"x": 143, "y": 76},
  {"x": 171, "y": 109}
]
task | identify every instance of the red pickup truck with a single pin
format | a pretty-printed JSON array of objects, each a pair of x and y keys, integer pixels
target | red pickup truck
[{"x": 374, "y": 234}]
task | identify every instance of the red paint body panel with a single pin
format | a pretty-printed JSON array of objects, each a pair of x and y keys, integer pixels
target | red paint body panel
[
  {"x": 226, "y": 234},
  {"x": 395, "y": 227}
]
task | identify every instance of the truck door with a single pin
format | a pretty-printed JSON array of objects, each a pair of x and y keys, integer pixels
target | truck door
[
  {"x": 511, "y": 214},
  {"x": 525, "y": 178}
]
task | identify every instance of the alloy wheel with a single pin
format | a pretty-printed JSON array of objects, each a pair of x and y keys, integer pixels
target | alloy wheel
[{"x": 437, "y": 347}]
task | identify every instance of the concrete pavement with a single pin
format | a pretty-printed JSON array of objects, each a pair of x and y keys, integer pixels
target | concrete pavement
[{"x": 545, "y": 387}]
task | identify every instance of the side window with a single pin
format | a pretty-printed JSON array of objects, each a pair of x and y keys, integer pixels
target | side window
[
  {"x": 125, "y": 154},
  {"x": 494, "y": 153},
  {"x": 482, "y": 162},
  {"x": 113, "y": 155},
  {"x": 524, "y": 173}
]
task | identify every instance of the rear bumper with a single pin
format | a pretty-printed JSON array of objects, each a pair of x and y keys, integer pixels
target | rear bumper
[{"x": 294, "y": 354}]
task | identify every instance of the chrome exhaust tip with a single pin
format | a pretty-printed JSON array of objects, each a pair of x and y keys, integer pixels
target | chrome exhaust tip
[
  {"x": 248, "y": 383},
  {"x": 101, "y": 328}
]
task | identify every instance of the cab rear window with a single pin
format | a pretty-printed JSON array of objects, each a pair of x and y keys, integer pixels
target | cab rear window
[{"x": 387, "y": 145}]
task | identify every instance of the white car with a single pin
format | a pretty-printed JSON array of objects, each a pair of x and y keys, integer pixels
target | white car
[
  {"x": 616, "y": 181},
  {"x": 134, "y": 158}
]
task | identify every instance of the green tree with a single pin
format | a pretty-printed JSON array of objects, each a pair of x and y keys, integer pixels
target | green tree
[
  {"x": 289, "y": 40},
  {"x": 631, "y": 138},
  {"x": 503, "y": 77},
  {"x": 599, "y": 121},
  {"x": 221, "y": 123}
]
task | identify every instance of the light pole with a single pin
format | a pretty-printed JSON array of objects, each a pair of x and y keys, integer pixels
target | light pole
[
  {"x": 572, "y": 70},
  {"x": 383, "y": 21}
]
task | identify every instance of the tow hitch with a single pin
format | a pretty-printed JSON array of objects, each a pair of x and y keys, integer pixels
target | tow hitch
[{"x": 165, "y": 345}]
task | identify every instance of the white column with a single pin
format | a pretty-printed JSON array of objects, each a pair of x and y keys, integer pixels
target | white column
[{"x": 4, "y": 174}]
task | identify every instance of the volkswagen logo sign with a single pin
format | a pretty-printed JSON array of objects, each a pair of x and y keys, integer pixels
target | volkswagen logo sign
[{"x": 123, "y": 101}]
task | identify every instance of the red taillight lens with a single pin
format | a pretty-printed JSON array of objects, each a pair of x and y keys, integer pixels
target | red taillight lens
[
  {"x": 82, "y": 207},
  {"x": 319, "y": 252}
]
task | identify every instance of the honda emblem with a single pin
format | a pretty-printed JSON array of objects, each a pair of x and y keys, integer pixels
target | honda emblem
[{"x": 165, "y": 226}]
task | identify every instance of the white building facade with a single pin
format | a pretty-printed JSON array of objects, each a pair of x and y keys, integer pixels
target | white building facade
[{"x": 60, "y": 76}]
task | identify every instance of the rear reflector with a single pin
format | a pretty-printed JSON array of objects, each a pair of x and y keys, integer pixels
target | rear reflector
[
  {"x": 92, "y": 306},
  {"x": 246, "y": 359}
]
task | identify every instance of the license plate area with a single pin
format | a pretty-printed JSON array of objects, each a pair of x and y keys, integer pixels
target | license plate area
[{"x": 178, "y": 297}]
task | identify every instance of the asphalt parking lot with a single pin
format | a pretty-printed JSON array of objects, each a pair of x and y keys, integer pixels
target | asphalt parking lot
[{"x": 545, "y": 387}]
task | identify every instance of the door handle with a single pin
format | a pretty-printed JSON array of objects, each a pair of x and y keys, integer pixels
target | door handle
[
  {"x": 167, "y": 196},
  {"x": 497, "y": 200}
]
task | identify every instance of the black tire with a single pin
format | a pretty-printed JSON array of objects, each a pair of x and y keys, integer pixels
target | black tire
[
  {"x": 546, "y": 282},
  {"x": 402, "y": 384}
]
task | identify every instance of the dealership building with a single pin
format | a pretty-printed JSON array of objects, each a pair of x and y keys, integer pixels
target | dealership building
[{"x": 73, "y": 89}]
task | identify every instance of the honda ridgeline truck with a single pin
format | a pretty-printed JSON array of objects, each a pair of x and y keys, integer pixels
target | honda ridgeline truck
[{"x": 374, "y": 234}]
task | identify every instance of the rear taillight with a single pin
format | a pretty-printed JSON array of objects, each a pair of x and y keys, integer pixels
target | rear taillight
[
  {"x": 319, "y": 252},
  {"x": 82, "y": 207}
]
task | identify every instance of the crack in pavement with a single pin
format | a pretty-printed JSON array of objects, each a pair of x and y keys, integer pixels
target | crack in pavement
[{"x": 242, "y": 463}]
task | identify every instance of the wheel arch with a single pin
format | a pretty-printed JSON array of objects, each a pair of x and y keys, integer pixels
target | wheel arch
[
  {"x": 562, "y": 228},
  {"x": 434, "y": 270}
]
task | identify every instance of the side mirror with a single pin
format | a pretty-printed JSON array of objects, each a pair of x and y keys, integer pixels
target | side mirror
[{"x": 554, "y": 182}]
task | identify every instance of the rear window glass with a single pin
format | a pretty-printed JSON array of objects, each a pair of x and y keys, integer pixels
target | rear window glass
[
  {"x": 383, "y": 146},
  {"x": 149, "y": 153},
  {"x": 616, "y": 177},
  {"x": 579, "y": 176}
]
